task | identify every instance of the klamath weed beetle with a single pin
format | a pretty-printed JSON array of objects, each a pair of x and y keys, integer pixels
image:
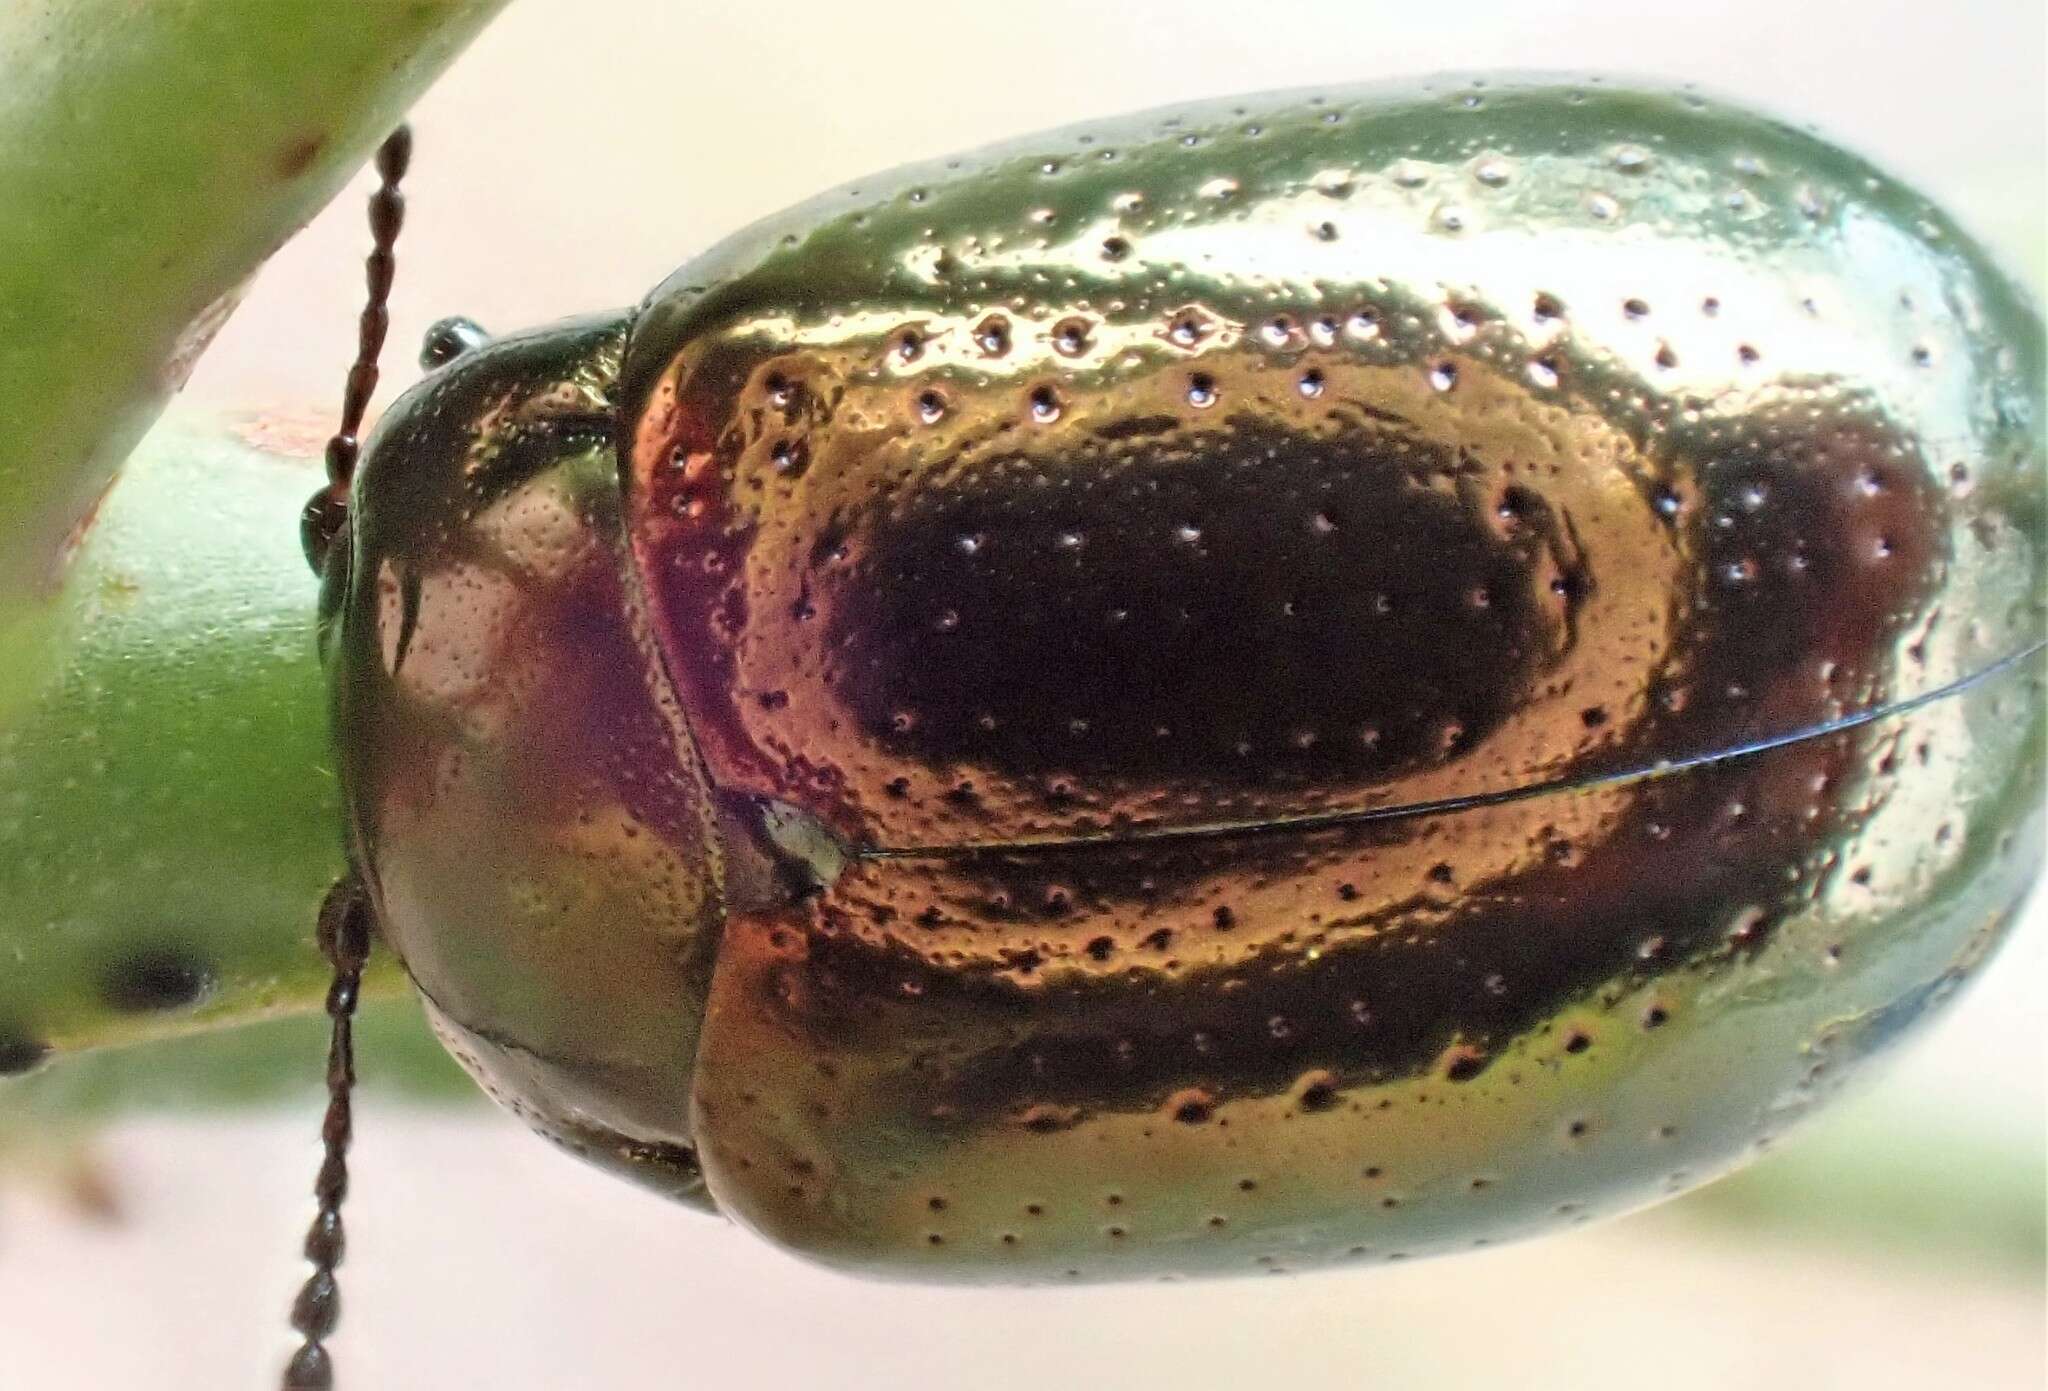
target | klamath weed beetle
[{"x": 1357, "y": 669}]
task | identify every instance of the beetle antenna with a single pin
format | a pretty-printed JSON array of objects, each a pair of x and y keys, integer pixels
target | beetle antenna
[
  {"x": 344, "y": 930},
  {"x": 324, "y": 514},
  {"x": 344, "y": 920}
]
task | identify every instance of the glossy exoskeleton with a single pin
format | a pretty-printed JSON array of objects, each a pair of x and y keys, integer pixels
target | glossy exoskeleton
[{"x": 1331, "y": 676}]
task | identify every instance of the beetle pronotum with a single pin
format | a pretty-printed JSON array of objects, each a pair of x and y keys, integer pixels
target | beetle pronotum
[{"x": 1354, "y": 668}]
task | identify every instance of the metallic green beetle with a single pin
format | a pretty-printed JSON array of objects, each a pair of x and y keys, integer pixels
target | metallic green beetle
[{"x": 1324, "y": 677}]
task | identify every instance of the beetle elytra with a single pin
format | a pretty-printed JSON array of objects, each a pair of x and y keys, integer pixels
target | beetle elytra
[{"x": 1278, "y": 682}]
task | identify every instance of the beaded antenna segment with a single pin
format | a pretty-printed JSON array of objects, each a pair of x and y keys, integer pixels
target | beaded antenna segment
[
  {"x": 344, "y": 921},
  {"x": 345, "y": 941},
  {"x": 324, "y": 514}
]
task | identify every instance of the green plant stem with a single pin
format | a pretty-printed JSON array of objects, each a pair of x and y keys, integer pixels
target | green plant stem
[
  {"x": 168, "y": 814},
  {"x": 152, "y": 155}
]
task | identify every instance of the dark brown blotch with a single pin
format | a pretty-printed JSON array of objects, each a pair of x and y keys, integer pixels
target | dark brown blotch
[
  {"x": 297, "y": 154},
  {"x": 20, "y": 1053},
  {"x": 152, "y": 979}
]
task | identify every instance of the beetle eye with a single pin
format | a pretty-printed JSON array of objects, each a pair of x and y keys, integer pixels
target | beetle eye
[{"x": 450, "y": 339}]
